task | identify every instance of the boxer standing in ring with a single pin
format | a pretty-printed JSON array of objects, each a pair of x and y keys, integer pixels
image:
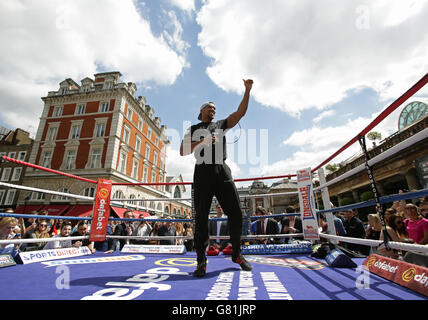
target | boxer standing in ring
[{"x": 212, "y": 177}]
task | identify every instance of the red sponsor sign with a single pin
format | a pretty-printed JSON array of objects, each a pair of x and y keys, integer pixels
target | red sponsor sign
[
  {"x": 403, "y": 273},
  {"x": 101, "y": 211}
]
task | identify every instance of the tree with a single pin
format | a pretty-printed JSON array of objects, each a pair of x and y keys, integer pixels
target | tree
[
  {"x": 331, "y": 167},
  {"x": 374, "y": 135}
]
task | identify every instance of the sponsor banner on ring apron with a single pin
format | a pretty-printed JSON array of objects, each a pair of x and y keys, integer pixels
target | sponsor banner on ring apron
[{"x": 307, "y": 204}]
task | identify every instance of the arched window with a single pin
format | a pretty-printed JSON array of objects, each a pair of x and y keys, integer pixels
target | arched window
[
  {"x": 118, "y": 195},
  {"x": 159, "y": 208},
  {"x": 177, "y": 192},
  {"x": 131, "y": 197},
  {"x": 166, "y": 209}
]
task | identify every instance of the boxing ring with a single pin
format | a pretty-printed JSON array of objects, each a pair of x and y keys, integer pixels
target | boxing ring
[{"x": 167, "y": 275}]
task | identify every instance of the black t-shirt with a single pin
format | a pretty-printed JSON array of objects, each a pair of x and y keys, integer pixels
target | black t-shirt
[
  {"x": 164, "y": 231},
  {"x": 85, "y": 242},
  {"x": 212, "y": 153}
]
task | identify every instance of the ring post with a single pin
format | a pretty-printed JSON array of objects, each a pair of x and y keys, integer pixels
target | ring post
[
  {"x": 331, "y": 229},
  {"x": 100, "y": 211},
  {"x": 307, "y": 205}
]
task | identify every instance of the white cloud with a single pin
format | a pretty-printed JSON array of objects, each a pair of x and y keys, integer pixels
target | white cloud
[
  {"x": 174, "y": 37},
  {"x": 47, "y": 41},
  {"x": 304, "y": 54},
  {"x": 316, "y": 144},
  {"x": 176, "y": 164},
  {"x": 323, "y": 115},
  {"x": 185, "y": 5}
]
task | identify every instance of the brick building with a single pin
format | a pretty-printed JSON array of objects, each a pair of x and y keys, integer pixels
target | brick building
[
  {"x": 98, "y": 129},
  {"x": 15, "y": 144}
]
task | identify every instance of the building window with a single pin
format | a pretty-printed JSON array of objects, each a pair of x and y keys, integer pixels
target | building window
[
  {"x": 89, "y": 192},
  {"x": 155, "y": 158},
  {"x": 161, "y": 187},
  {"x": 149, "y": 133},
  {"x": 126, "y": 134},
  {"x": 95, "y": 159},
  {"x": 153, "y": 176},
  {"x": 16, "y": 174},
  {"x": 162, "y": 164},
  {"x": 177, "y": 193},
  {"x": 118, "y": 195},
  {"x": 104, "y": 107},
  {"x": 145, "y": 174},
  {"x": 12, "y": 154},
  {"x": 122, "y": 162},
  {"x": 137, "y": 143},
  {"x": 58, "y": 111},
  {"x": 100, "y": 129},
  {"x": 37, "y": 196},
  {"x": 75, "y": 132},
  {"x": 6, "y": 174},
  {"x": 51, "y": 135},
  {"x": 129, "y": 114},
  {"x": 63, "y": 91},
  {"x": 70, "y": 160},
  {"x": 2, "y": 192},
  {"x": 134, "y": 173},
  {"x": 9, "y": 197},
  {"x": 86, "y": 88},
  {"x": 21, "y": 155},
  {"x": 80, "y": 109},
  {"x": 60, "y": 197},
  {"x": 147, "y": 154},
  {"x": 46, "y": 159},
  {"x": 108, "y": 85},
  {"x": 140, "y": 124}
]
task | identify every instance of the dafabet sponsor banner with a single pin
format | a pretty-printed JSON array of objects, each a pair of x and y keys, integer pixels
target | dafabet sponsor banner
[{"x": 405, "y": 274}]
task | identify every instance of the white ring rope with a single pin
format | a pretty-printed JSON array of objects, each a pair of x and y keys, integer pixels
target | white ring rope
[
  {"x": 189, "y": 199},
  {"x": 375, "y": 243},
  {"x": 16, "y": 241},
  {"x": 367, "y": 242},
  {"x": 211, "y": 237},
  {"x": 64, "y": 194}
]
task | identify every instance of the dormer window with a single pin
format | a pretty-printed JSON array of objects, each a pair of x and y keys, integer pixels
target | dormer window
[
  {"x": 63, "y": 91},
  {"x": 108, "y": 85}
]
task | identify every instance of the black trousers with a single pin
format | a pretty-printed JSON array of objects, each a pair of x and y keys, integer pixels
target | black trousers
[{"x": 215, "y": 180}]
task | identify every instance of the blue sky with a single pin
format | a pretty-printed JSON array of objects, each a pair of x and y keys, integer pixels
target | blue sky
[{"x": 322, "y": 71}]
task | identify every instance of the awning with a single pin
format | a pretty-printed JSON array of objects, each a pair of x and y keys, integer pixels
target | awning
[
  {"x": 121, "y": 211},
  {"x": 79, "y": 211},
  {"x": 56, "y": 210},
  {"x": 138, "y": 213},
  {"x": 28, "y": 209}
]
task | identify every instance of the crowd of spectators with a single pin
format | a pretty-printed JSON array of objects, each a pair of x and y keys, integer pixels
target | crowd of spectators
[
  {"x": 405, "y": 222},
  {"x": 42, "y": 229}
]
